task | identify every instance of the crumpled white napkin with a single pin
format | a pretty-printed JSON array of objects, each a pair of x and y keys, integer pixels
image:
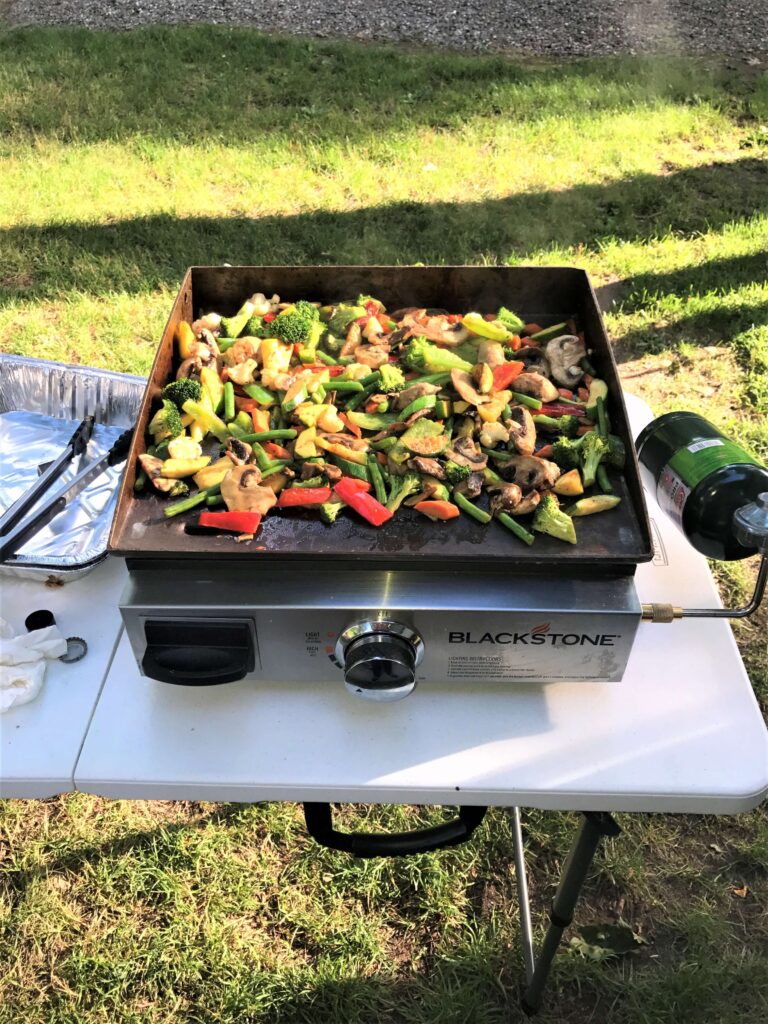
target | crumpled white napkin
[{"x": 22, "y": 662}]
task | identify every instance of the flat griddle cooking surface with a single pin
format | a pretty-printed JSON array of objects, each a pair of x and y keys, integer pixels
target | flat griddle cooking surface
[{"x": 616, "y": 539}]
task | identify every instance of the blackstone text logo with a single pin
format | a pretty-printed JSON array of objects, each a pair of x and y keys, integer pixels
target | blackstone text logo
[{"x": 537, "y": 636}]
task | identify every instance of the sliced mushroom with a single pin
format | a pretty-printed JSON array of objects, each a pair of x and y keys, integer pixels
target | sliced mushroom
[
  {"x": 529, "y": 472},
  {"x": 462, "y": 382},
  {"x": 189, "y": 368},
  {"x": 528, "y": 503},
  {"x": 238, "y": 451},
  {"x": 372, "y": 355},
  {"x": 564, "y": 354},
  {"x": 482, "y": 375},
  {"x": 506, "y": 499},
  {"x": 152, "y": 466},
  {"x": 534, "y": 359},
  {"x": 404, "y": 398},
  {"x": 466, "y": 453},
  {"x": 420, "y": 414},
  {"x": 537, "y": 386},
  {"x": 354, "y": 334},
  {"x": 437, "y": 328},
  {"x": 522, "y": 430},
  {"x": 472, "y": 485},
  {"x": 243, "y": 372},
  {"x": 356, "y": 443},
  {"x": 491, "y": 352},
  {"x": 242, "y": 491},
  {"x": 310, "y": 469},
  {"x": 494, "y": 433},
  {"x": 428, "y": 467}
]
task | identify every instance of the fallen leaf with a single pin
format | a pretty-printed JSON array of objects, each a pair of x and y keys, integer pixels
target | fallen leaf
[
  {"x": 741, "y": 893},
  {"x": 602, "y": 941}
]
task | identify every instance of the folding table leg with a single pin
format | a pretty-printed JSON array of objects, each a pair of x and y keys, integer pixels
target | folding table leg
[
  {"x": 521, "y": 878},
  {"x": 595, "y": 826}
]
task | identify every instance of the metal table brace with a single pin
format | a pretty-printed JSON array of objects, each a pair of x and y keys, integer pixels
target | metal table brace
[{"x": 595, "y": 826}]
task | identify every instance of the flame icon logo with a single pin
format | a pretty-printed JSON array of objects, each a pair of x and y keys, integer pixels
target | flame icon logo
[{"x": 543, "y": 628}]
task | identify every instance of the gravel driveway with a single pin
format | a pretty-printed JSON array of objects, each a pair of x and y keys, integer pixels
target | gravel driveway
[{"x": 572, "y": 28}]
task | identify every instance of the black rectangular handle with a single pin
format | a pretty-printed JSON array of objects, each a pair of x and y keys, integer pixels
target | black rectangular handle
[{"x": 319, "y": 821}]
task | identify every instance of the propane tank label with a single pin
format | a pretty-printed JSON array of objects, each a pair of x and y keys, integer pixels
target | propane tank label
[
  {"x": 672, "y": 494},
  {"x": 692, "y": 464}
]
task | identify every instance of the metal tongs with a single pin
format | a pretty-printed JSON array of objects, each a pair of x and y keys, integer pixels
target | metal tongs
[{"x": 15, "y": 530}]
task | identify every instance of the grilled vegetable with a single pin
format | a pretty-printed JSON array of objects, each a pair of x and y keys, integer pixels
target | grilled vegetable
[
  {"x": 407, "y": 410},
  {"x": 549, "y": 518}
]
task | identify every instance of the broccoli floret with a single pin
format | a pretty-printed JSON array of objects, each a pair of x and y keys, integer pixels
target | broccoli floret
[
  {"x": 566, "y": 425},
  {"x": 549, "y": 518},
  {"x": 180, "y": 391},
  {"x": 510, "y": 320},
  {"x": 617, "y": 453},
  {"x": 252, "y": 328},
  {"x": 455, "y": 472},
  {"x": 295, "y": 324},
  {"x": 592, "y": 450},
  {"x": 565, "y": 452},
  {"x": 329, "y": 511},
  {"x": 402, "y": 487},
  {"x": 425, "y": 357},
  {"x": 391, "y": 379},
  {"x": 166, "y": 422},
  {"x": 343, "y": 316}
]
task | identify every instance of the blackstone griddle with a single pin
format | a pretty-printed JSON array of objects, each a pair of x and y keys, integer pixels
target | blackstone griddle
[{"x": 412, "y": 600}]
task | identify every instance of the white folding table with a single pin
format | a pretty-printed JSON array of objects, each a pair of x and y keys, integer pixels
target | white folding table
[{"x": 682, "y": 732}]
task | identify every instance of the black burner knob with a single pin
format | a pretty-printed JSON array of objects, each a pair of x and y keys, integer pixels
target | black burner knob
[{"x": 380, "y": 666}]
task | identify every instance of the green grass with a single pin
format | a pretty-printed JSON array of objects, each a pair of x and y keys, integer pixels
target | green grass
[{"x": 125, "y": 158}]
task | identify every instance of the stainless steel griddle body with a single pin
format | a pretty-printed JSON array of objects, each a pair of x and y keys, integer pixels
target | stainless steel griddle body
[{"x": 310, "y": 627}]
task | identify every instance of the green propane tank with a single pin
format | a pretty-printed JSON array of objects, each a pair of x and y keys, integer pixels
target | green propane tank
[{"x": 700, "y": 478}]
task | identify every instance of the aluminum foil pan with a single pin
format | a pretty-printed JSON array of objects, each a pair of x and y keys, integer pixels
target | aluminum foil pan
[{"x": 41, "y": 404}]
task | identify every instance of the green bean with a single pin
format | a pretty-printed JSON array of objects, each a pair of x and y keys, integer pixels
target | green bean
[
  {"x": 372, "y": 378},
  {"x": 532, "y": 403},
  {"x": 322, "y": 357},
  {"x": 344, "y": 385},
  {"x": 376, "y": 479},
  {"x": 269, "y": 435},
  {"x": 186, "y": 503},
  {"x": 472, "y": 510},
  {"x": 516, "y": 528}
]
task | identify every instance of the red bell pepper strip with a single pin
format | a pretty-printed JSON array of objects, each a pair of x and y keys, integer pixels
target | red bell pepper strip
[
  {"x": 438, "y": 509},
  {"x": 504, "y": 374},
  {"x": 562, "y": 409},
  {"x": 269, "y": 317},
  {"x": 299, "y": 497},
  {"x": 364, "y": 504},
  {"x": 231, "y": 522},
  {"x": 358, "y": 485}
]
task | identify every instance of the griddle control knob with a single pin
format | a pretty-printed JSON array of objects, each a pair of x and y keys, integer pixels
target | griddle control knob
[{"x": 379, "y": 659}]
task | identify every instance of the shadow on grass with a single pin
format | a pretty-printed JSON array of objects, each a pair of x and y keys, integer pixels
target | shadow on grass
[
  {"x": 715, "y": 326},
  {"x": 141, "y": 254}
]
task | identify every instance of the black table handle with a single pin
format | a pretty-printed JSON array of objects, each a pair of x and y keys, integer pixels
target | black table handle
[{"x": 319, "y": 820}]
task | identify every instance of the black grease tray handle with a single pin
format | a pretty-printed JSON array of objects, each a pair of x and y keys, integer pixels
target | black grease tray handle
[{"x": 202, "y": 653}]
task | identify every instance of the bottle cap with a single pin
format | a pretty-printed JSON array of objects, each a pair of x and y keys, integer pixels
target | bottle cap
[
  {"x": 39, "y": 620},
  {"x": 77, "y": 648}
]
